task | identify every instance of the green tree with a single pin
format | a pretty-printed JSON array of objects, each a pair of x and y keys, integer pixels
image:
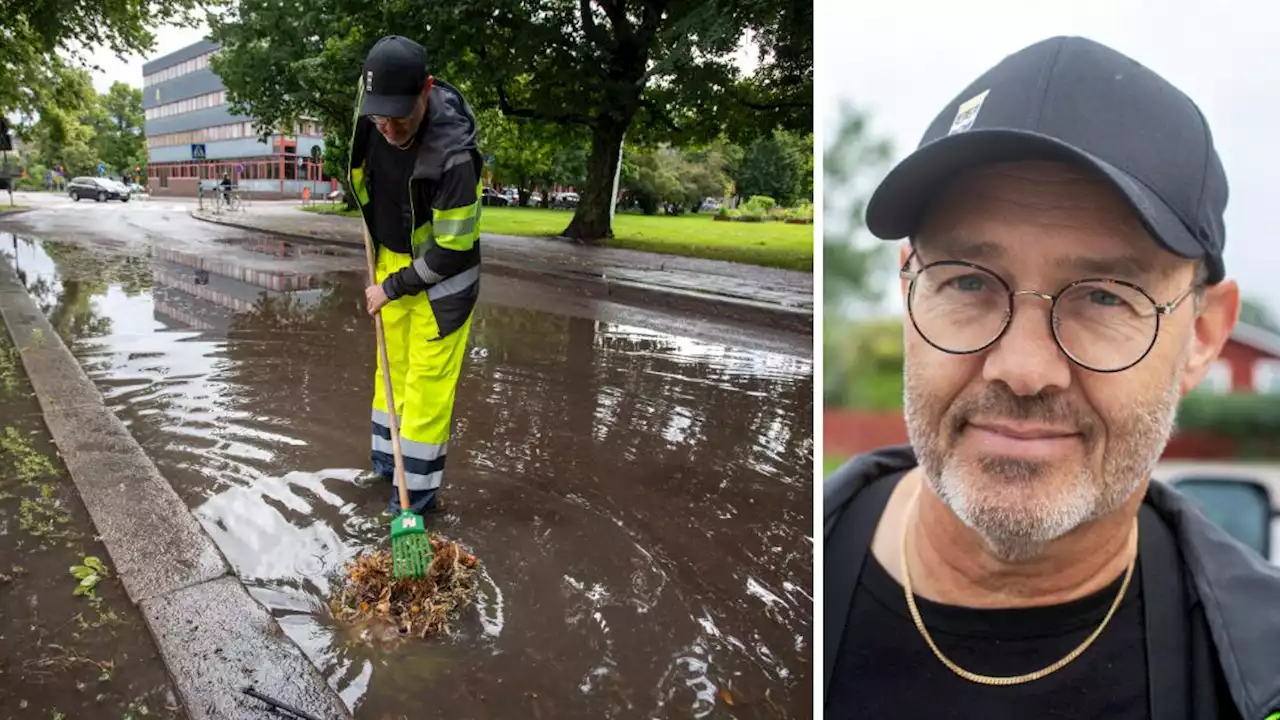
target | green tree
[
  {"x": 118, "y": 129},
  {"x": 859, "y": 365},
  {"x": 35, "y": 36},
  {"x": 648, "y": 69},
  {"x": 779, "y": 166},
  {"x": 682, "y": 179},
  {"x": 523, "y": 151},
  {"x": 851, "y": 156},
  {"x": 64, "y": 134},
  {"x": 285, "y": 60},
  {"x": 642, "y": 69}
]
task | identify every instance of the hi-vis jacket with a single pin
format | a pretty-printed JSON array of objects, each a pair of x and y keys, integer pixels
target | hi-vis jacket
[{"x": 446, "y": 230}]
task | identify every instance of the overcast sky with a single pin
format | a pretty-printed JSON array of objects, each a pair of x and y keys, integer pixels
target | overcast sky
[
  {"x": 129, "y": 70},
  {"x": 903, "y": 60}
]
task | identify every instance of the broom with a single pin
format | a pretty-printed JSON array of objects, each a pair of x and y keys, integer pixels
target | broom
[{"x": 410, "y": 546}]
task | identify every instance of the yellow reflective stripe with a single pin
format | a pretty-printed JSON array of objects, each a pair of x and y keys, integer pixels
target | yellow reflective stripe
[
  {"x": 358, "y": 185},
  {"x": 458, "y": 228},
  {"x": 421, "y": 239},
  {"x": 456, "y": 221}
]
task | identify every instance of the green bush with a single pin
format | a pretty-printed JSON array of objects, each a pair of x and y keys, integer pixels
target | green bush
[
  {"x": 752, "y": 216},
  {"x": 723, "y": 212},
  {"x": 733, "y": 213},
  {"x": 779, "y": 214},
  {"x": 34, "y": 179},
  {"x": 759, "y": 203},
  {"x": 1243, "y": 416}
]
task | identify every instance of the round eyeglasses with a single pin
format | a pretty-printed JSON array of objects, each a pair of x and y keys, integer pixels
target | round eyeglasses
[{"x": 1101, "y": 324}]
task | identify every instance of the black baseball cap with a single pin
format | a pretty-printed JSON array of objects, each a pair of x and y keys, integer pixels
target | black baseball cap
[
  {"x": 1075, "y": 100},
  {"x": 394, "y": 73}
]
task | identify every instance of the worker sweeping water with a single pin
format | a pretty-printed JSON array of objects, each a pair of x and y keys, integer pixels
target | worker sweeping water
[{"x": 415, "y": 173}]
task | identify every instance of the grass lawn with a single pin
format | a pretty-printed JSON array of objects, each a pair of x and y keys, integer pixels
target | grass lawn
[
  {"x": 774, "y": 244},
  {"x": 6, "y": 209},
  {"x": 830, "y": 463}
]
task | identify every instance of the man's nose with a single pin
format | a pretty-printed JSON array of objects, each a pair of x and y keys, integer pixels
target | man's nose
[{"x": 1027, "y": 357}]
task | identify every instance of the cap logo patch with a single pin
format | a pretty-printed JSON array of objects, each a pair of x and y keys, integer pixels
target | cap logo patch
[
  {"x": 968, "y": 113},
  {"x": 368, "y": 81}
]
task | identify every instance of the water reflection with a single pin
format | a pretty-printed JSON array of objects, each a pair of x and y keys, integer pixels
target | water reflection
[{"x": 641, "y": 501}]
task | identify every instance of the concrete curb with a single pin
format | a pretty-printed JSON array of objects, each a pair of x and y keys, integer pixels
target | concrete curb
[
  {"x": 724, "y": 307},
  {"x": 214, "y": 638}
]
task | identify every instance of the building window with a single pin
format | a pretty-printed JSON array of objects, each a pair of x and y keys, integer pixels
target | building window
[
  {"x": 185, "y": 67},
  {"x": 1266, "y": 376},
  {"x": 1218, "y": 379},
  {"x": 180, "y": 107},
  {"x": 233, "y": 131}
]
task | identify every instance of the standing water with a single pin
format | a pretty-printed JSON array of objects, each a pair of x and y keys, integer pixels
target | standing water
[{"x": 640, "y": 500}]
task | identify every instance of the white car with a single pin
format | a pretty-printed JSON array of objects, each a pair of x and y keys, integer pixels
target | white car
[{"x": 1241, "y": 498}]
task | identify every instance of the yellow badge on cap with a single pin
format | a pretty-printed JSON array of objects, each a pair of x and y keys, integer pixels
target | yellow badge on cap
[{"x": 968, "y": 113}]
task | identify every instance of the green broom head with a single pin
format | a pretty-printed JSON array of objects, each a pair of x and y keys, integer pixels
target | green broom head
[{"x": 410, "y": 547}]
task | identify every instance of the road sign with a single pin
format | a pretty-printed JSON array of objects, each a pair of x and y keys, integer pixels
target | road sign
[
  {"x": 102, "y": 170},
  {"x": 197, "y": 151}
]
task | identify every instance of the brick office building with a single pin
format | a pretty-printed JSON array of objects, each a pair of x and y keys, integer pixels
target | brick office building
[{"x": 193, "y": 137}]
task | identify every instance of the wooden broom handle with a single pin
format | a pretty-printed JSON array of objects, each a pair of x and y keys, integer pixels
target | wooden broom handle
[{"x": 386, "y": 375}]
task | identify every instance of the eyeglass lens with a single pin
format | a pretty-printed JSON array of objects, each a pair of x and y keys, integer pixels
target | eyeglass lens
[{"x": 1105, "y": 326}]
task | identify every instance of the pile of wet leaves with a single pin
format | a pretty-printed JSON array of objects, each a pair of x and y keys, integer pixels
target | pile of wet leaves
[{"x": 417, "y": 607}]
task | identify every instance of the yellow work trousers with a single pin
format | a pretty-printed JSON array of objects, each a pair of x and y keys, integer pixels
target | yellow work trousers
[{"x": 424, "y": 376}]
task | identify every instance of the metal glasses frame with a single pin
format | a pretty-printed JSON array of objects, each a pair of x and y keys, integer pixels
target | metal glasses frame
[{"x": 1161, "y": 309}]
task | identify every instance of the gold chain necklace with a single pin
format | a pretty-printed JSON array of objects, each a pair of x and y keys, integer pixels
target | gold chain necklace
[{"x": 1017, "y": 679}]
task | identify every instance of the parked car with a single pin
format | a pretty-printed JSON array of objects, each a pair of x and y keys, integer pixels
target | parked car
[
  {"x": 1241, "y": 498},
  {"x": 493, "y": 197},
  {"x": 100, "y": 189},
  {"x": 565, "y": 201}
]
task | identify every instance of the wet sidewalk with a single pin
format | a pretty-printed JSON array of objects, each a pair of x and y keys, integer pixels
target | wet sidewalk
[{"x": 732, "y": 290}]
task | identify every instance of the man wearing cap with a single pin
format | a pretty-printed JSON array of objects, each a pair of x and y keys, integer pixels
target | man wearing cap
[
  {"x": 1064, "y": 286},
  {"x": 415, "y": 173}
]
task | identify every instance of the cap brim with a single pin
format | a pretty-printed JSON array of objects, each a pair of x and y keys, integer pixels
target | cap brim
[
  {"x": 388, "y": 105},
  {"x": 899, "y": 203}
]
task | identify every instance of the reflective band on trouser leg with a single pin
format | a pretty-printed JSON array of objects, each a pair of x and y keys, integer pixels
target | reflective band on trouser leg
[
  {"x": 434, "y": 369},
  {"x": 397, "y": 324}
]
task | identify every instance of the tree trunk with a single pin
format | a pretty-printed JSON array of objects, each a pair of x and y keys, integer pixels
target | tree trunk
[{"x": 590, "y": 222}]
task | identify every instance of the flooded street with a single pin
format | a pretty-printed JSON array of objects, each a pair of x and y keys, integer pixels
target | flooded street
[{"x": 638, "y": 486}]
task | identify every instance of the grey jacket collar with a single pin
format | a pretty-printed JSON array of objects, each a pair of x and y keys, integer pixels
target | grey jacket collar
[
  {"x": 450, "y": 135},
  {"x": 1239, "y": 590}
]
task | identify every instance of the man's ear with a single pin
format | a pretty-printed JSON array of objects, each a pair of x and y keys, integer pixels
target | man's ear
[{"x": 1217, "y": 316}]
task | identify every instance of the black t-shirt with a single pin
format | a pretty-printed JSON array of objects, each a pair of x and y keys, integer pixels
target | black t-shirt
[
  {"x": 389, "y": 171},
  {"x": 885, "y": 669}
]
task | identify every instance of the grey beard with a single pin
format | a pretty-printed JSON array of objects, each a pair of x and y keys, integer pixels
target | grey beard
[{"x": 1016, "y": 532}]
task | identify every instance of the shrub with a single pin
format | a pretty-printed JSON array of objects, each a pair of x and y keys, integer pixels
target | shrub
[
  {"x": 1245, "y": 416},
  {"x": 759, "y": 203},
  {"x": 752, "y": 216},
  {"x": 723, "y": 212}
]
